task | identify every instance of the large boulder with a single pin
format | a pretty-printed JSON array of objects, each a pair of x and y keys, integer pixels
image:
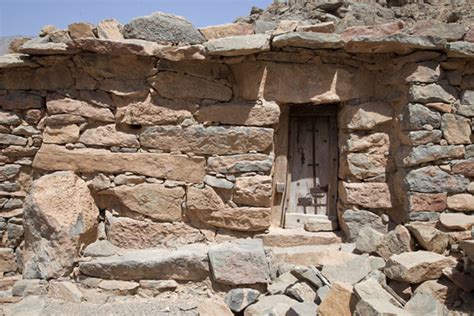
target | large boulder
[
  {"x": 163, "y": 28},
  {"x": 59, "y": 216}
]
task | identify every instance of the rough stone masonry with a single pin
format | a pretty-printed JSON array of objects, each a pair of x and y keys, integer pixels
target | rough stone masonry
[{"x": 143, "y": 167}]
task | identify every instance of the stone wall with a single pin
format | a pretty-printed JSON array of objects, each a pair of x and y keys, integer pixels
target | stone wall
[{"x": 177, "y": 144}]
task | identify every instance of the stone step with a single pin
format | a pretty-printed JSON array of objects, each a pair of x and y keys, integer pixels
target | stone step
[
  {"x": 187, "y": 263},
  {"x": 282, "y": 237},
  {"x": 316, "y": 255}
]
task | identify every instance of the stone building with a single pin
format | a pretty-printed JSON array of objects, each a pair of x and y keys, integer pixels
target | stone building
[{"x": 156, "y": 152}]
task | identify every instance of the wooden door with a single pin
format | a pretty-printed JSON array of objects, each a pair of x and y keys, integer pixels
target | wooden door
[{"x": 312, "y": 185}]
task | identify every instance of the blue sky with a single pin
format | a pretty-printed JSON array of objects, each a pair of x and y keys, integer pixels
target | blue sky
[{"x": 26, "y": 17}]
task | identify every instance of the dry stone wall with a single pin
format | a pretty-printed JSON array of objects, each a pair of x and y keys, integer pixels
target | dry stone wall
[{"x": 135, "y": 159}]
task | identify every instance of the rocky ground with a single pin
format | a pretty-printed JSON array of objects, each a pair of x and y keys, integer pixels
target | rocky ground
[{"x": 346, "y": 14}]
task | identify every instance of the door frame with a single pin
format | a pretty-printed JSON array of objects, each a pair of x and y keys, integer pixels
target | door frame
[{"x": 294, "y": 111}]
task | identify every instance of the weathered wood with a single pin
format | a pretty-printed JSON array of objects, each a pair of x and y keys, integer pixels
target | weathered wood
[
  {"x": 312, "y": 184},
  {"x": 280, "y": 169}
]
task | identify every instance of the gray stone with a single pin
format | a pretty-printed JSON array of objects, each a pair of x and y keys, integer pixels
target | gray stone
[
  {"x": 354, "y": 221},
  {"x": 302, "y": 292},
  {"x": 119, "y": 287},
  {"x": 425, "y": 304},
  {"x": 302, "y": 309},
  {"x": 368, "y": 240},
  {"x": 8, "y": 139},
  {"x": 349, "y": 272},
  {"x": 8, "y": 171},
  {"x": 27, "y": 287},
  {"x": 16, "y": 60},
  {"x": 220, "y": 183},
  {"x": 187, "y": 263},
  {"x": 99, "y": 182},
  {"x": 308, "y": 275},
  {"x": 309, "y": 40},
  {"x": 65, "y": 291},
  {"x": 270, "y": 305},
  {"x": 460, "y": 49},
  {"x": 371, "y": 293},
  {"x": 15, "y": 234},
  {"x": 432, "y": 93},
  {"x": 280, "y": 284},
  {"x": 396, "y": 43},
  {"x": 41, "y": 46},
  {"x": 238, "y": 45},
  {"x": 423, "y": 216},
  {"x": 9, "y": 118},
  {"x": 101, "y": 248},
  {"x": 239, "y": 299},
  {"x": 262, "y": 26},
  {"x": 416, "y": 138},
  {"x": 395, "y": 242},
  {"x": 415, "y": 116},
  {"x": 163, "y": 28},
  {"x": 412, "y": 156},
  {"x": 432, "y": 179},
  {"x": 207, "y": 140},
  {"x": 240, "y": 163},
  {"x": 323, "y": 292},
  {"x": 239, "y": 262}
]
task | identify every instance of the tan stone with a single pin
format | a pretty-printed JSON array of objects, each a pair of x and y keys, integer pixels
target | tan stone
[
  {"x": 373, "y": 30},
  {"x": 377, "y": 143},
  {"x": 60, "y": 215},
  {"x": 442, "y": 107},
  {"x": 81, "y": 30},
  {"x": 172, "y": 167},
  {"x": 416, "y": 267},
  {"x": 152, "y": 112},
  {"x": 253, "y": 191},
  {"x": 369, "y": 195},
  {"x": 456, "y": 129},
  {"x": 173, "y": 85},
  {"x": 152, "y": 200},
  {"x": 224, "y": 30},
  {"x": 285, "y": 26},
  {"x": 463, "y": 202},
  {"x": 363, "y": 165},
  {"x": 61, "y": 134},
  {"x": 466, "y": 168},
  {"x": 260, "y": 113},
  {"x": 324, "y": 27},
  {"x": 57, "y": 104},
  {"x": 108, "y": 135},
  {"x": 65, "y": 291},
  {"x": 238, "y": 45},
  {"x": 288, "y": 82},
  {"x": 119, "y": 47},
  {"x": 282, "y": 237},
  {"x": 457, "y": 221},
  {"x": 110, "y": 29},
  {"x": 365, "y": 116},
  {"x": 210, "y": 307},
  {"x": 340, "y": 300},
  {"x": 178, "y": 53},
  {"x": 442, "y": 289},
  {"x": 56, "y": 77},
  {"x": 7, "y": 261},
  {"x": 208, "y": 140},
  {"x": 427, "y": 202},
  {"x": 207, "y": 207},
  {"x": 133, "y": 234},
  {"x": 429, "y": 237}
]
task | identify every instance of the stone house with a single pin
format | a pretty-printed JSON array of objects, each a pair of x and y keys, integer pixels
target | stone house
[{"x": 295, "y": 138}]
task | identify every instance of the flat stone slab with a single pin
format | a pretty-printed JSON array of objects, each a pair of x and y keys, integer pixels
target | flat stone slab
[
  {"x": 117, "y": 47},
  {"x": 238, "y": 45},
  {"x": 16, "y": 60},
  {"x": 172, "y": 167},
  {"x": 239, "y": 262},
  {"x": 416, "y": 267},
  {"x": 460, "y": 49},
  {"x": 279, "y": 237},
  {"x": 40, "y": 46},
  {"x": 188, "y": 263},
  {"x": 396, "y": 43},
  {"x": 309, "y": 40}
]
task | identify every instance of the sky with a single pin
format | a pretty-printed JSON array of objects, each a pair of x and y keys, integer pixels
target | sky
[{"x": 27, "y": 17}]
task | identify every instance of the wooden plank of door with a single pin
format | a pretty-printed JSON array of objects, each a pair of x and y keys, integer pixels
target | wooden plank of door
[
  {"x": 301, "y": 169},
  {"x": 322, "y": 162},
  {"x": 333, "y": 167}
]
